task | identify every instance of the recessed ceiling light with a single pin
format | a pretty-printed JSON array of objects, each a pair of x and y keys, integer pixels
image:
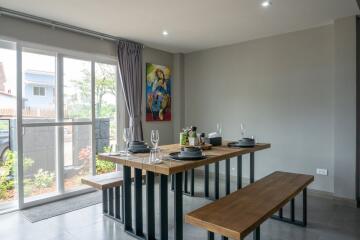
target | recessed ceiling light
[
  {"x": 165, "y": 33},
  {"x": 266, "y": 3}
]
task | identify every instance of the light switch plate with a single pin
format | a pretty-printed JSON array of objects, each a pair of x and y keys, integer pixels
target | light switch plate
[{"x": 322, "y": 171}]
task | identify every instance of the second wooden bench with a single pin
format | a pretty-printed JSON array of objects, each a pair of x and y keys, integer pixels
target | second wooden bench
[{"x": 242, "y": 212}]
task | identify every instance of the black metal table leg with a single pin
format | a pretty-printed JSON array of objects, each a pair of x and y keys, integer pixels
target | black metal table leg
[
  {"x": 138, "y": 203},
  {"x": 163, "y": 207},
  {"x": 256, "y": 233},
  {"x": 111, "y": 202},
  {"x": 305, "y": 206},
  {"x": 217, "y": 180},
  {"x": 172, "y": 182},
  {"x": 224, "y": 238},
  {"x": 117, "y": 203},
  {"x": 178, "y": 207},
  {"x": 211, "y": 236},
  {"x": 252, "y": 167},
  {"x": 292, "y": 210},
  {"x": 192, "y": 182},
  {"x": 206, "y": 181},
  {"x": 186, "y": 182},
  {"x": 239, "y": 172},
  {"x": 105, "y": 201},
  {"x": 150, "y": 205},
  {"x": 281, "y": 213},
  {"x": 227, "y": 176},
  {"x": 127, "y": 199}
]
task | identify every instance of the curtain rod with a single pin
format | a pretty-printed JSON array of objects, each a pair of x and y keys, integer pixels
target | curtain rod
[{"x": 60, "y": 25}]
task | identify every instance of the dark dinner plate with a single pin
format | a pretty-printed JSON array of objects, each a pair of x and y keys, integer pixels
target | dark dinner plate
[
  {"x": 176, "y": 156},
  {"x": 239, "y": 145}
]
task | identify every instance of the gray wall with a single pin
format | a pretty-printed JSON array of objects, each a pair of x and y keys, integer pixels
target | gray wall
[
  {"x": 283, "y": 89},
  {"x": 345, "y": 107}
]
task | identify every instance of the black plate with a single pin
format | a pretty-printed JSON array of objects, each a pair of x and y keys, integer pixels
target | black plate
[
  {"x": 140, "y": 150},
  {"x": 175, "y": 156},
  {"x": 238, "y": 145}
]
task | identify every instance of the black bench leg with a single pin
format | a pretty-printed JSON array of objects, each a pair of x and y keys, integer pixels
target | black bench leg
[
  {"x": 252, "y": 167},
  {"x": 178, "y": 207},
  {"x": 192, "y": 183},
  {"x": 117, "y": 203},
  {"x": 206, "y": 181},
  {"x": 211, "y": 236},
  {"x": 217, "y": 180},
  {"x": 292, "y": 219},
  {"x": 122, "y": 205},
  {"x": 163, "y": 207},
  {"x": 138, "y": 203},
  {"x": 224, "y": 238},
  {"x": 150, "y": 205},
  {"x": 127, "y": 199},
  {"x": 105, "y": 201},
  {"x": 172, "y": 182},
  {"x": 227, "y": 176},
  {"x": 111, "y": 202},
  {"x": 256, "y": 234},
  {"x": 239, "y": 172}
]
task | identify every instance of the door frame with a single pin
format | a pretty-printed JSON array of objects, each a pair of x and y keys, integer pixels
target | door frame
[{"x": 358, "y": 110}]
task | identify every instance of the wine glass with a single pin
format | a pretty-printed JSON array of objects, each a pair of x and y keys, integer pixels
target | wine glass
[
  {"x": 242, "y": 130},
  {"x": 155, "y": 138},
  {"x": 126, "y": 138},
  {"x": 219, "y": 129}
]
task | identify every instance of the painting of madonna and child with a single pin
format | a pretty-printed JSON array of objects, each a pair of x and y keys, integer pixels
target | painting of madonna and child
[{"x": 158, "y": 93}]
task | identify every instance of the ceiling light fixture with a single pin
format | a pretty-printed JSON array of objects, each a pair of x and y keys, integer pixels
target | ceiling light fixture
[
  {"x": 165, "y": 33},
  {"x": 266, "y": 3}
]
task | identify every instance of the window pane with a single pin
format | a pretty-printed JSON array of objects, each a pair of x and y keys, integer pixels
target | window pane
[
  {"x": 39, "y": 162},
  {"x": 77, "y": 90},
  {"x": 105, "y": 112},
  {"x": 8, "y": 157},
  {"x": 39, "y": 78},
  {"x": 77, "y": 155}
]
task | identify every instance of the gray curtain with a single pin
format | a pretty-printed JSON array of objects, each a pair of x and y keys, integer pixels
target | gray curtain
[{"x": 130, "y": 67}]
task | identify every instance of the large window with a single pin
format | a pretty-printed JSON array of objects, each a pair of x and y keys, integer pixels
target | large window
[
  {"x": 68, "y": 106},
  {"x": 8, "y": 155}
]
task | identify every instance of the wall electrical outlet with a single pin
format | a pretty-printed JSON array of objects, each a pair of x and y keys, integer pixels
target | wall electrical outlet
[{"x": 321, "y": 171}]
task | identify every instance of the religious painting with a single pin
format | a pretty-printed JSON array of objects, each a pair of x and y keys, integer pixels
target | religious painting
[{"x": 158, "y": 93}]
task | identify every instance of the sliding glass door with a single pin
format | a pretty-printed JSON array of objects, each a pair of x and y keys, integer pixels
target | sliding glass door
[{"x": 57, "y": 111}]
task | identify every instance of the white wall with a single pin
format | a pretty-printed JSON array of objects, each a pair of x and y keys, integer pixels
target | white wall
[{"x": 282, "y": 88}]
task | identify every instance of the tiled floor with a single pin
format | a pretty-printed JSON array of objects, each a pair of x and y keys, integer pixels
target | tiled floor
[{"x": 327, "y": 221}]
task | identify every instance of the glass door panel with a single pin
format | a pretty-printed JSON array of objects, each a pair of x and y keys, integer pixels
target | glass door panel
[
  {"x": 77, "y": 155},
  {"x": 39, "y": 162},
  {"x": 38, "y": 87},
  {"x": 8, "y": 135},
  {"x": 77, "y": 90}
]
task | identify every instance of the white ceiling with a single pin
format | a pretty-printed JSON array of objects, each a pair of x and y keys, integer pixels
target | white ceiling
[{"x": 192, "y": 24}]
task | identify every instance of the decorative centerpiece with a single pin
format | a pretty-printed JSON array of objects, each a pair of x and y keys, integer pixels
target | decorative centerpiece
[{"x": 138, "y": 147}]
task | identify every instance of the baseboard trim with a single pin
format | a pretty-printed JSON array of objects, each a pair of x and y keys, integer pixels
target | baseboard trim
[{"x": 311, "y": 192}]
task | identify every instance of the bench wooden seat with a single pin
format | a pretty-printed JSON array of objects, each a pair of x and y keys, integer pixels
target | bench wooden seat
[
  {"x": 242, "y": 212},
  {"x": 104, "y": 181}
]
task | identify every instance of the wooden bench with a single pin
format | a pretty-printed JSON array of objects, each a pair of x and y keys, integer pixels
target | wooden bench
[
  {"x": 111, "y": 185},
  {"x": 242, "y": 212}
]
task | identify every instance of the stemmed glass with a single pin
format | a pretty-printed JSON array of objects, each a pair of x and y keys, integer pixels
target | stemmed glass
[
  {"x": 242, "y": 130},
  {"x": 126, "y": 138},
  {"x": 219, "y": 129},
  {"x": 155, "y": 138}
]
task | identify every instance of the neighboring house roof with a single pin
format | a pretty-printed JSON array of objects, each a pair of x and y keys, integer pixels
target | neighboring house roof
[
  {"x": 39, "y": 78},
  {"x": 2, "y": 78}
]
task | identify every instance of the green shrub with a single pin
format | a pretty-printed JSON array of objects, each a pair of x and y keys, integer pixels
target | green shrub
[
  {"x": 43, "y": 179},
  {"x": 104, "y": 166}
]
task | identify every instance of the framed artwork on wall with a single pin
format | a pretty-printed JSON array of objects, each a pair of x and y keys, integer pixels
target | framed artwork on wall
[{"x": 158, "y": 92}]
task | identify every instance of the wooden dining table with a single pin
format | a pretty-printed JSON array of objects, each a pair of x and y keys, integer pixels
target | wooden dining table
[{"x": 168, "y": 167}]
